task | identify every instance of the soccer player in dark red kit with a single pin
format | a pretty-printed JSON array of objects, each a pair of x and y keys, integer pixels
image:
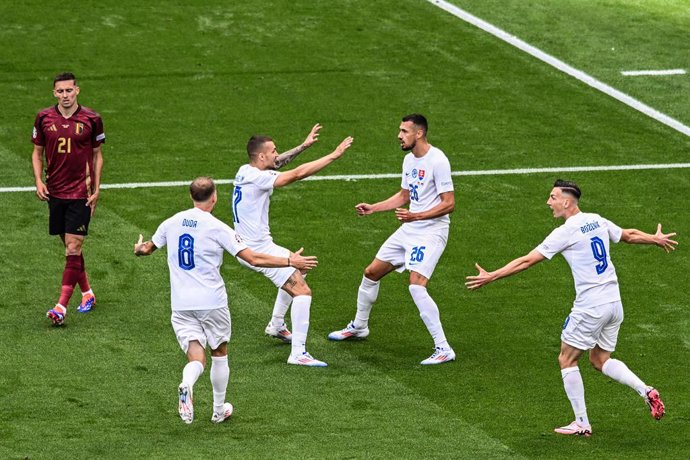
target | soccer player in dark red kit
[{"x": 69, "y": 136}]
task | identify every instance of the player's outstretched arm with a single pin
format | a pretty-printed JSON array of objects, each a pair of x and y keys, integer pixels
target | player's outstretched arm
[
  {"x": 296, "y": 259},
  {"x": 511, "y": 268},
  {"x": 663, "y": 240},
  {"x": 401, "y": 198},
  {"x": 311, "y": 168},
  {"x": 286, "y": 157},
  {"x": 142, "y": 248}
]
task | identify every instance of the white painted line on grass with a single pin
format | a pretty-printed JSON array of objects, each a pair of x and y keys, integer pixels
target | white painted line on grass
[
  {"x": 638, "y": 73},
  {"x": 354, "y": 177},
  {"x": 562, "y": 66}
]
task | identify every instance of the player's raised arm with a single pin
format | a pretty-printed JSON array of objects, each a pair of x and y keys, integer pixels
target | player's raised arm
[
  {"x": 511, "y": 268},
  {"x": 286, "y": 157},
  {"x": 663, "y": 240},
  {"x": 311, "y": 168}
]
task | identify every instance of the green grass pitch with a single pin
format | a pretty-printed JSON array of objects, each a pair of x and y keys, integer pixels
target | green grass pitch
[{"x": 182, "y": 85}]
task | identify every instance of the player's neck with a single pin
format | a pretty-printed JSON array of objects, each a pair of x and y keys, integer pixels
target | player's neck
[
  {"x": 68, "y": 112},
  {"x": 421, "y": 148},
  {"x": 571, "y": 212}
]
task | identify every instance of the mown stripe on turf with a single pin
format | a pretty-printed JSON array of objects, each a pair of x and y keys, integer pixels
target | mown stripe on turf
[
  {"x": 349, "y": 177},
  {"x": 562, "y": 66}
]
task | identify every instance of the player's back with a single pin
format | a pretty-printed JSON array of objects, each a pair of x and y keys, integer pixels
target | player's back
[
  {"x": 251, "y": 200},
  {"x": 196, "y": 241}
]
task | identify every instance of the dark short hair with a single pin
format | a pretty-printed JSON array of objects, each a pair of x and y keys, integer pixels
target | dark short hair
[
  {"x": 418, "y": 120},
  {"x": 202, "y": 189},
  {"x": 255, "y": 143},
  {"x": 64, "y": 76},
  {"x": 569, "y": 187}
]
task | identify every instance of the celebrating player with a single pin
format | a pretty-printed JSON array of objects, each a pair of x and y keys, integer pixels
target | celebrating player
[
  {"x": 597, "y": 312},
  {"x": 70, "y": 137},
  {"x": 419, "y": 242},
  {"x": 196, "y": 241},
  {"x": 254, "y": 184}
]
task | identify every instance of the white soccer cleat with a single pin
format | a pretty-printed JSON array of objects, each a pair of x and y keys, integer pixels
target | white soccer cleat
[
  {"x": 280, "y": 333},
  {"x": 220, "y": 417},
  {"x": 185, "y": 406},
  {"x": 440, "y": 355},
  {"x": 305, "y": 359},
  {"x": 350, "y": 332},
  {"x": 575, "y": 429}
]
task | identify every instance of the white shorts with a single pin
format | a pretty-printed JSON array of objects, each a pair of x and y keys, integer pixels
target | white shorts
[
  {"x": 277, "y": 275},
  {"x": 583, "y": 329},
  {"x": 209, "y": 327},
  {"x": 416, "y": 252}
]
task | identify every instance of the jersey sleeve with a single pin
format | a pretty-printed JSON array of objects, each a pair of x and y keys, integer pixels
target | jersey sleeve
[
  {"x": 403, "y": 181},
  {"x": 97, "y": 132},
  {"x": 37, "y": 133},
  {"x": 230, "y": 240},
  {"x": 160, "y": 237},
  {"x": 442, "y": 176},
  {"x": 615, "y": 232},
  {"x": 264, "y": 180},
  {"x": 557, "y": 241}
]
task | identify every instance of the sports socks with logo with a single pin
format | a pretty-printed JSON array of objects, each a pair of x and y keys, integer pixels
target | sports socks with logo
[
  {"x": 300, "y": 323},
  {"x": 575, "y": 390}
]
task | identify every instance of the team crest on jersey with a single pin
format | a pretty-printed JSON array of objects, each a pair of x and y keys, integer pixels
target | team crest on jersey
[
  {"x": 421, "y": 174},
  {"x": 414, "y": 173},
  {"x": 79, "y": 128}
]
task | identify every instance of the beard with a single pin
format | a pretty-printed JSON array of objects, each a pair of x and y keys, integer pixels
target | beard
[{"x": 407, "y": 148}]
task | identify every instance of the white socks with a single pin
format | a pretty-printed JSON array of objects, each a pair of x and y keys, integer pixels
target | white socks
[
  {"x": 575, "y": 390},
  {"x": 280, "y": 307},
  {"x": 300, "y": 323},
  {"x": 366, "y": 296},
  {"x": 428, "y": 310},
  {"x": 191, "y": 372},
  {"x": 220, "y": 374},
  {"x": 619, "y": 372}
]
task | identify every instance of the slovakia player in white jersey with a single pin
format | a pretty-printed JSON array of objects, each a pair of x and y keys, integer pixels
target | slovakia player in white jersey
[
  {"x": 196, "y": 241},
  {"x": 254, "y": 185},
  {"x": 418, "y": 244},
  {"x": 597, "y": 312}
]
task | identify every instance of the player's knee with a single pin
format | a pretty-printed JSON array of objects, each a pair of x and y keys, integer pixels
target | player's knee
[
  {"x": 565, "y": 361},
  {"x": 596, "y": 361}
]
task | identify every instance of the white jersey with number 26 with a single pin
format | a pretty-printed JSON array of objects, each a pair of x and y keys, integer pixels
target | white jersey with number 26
[
  {"x": 196, "y": 241},
  {"x": 584, "y": 242},
  {"x": 426, "y": 178}
]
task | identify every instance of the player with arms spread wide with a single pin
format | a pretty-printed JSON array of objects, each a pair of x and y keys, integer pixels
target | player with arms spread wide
[
  {"x": 254, "y": 185},
  {"x": 418, "y": 244},
  {"x": 597, "y": 312},
  {"x": 69, "y": 135},
  {"x": 196, "y": 242}
]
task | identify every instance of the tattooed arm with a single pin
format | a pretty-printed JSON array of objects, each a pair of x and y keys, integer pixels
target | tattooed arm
[{"x": 287, "y": 157}]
